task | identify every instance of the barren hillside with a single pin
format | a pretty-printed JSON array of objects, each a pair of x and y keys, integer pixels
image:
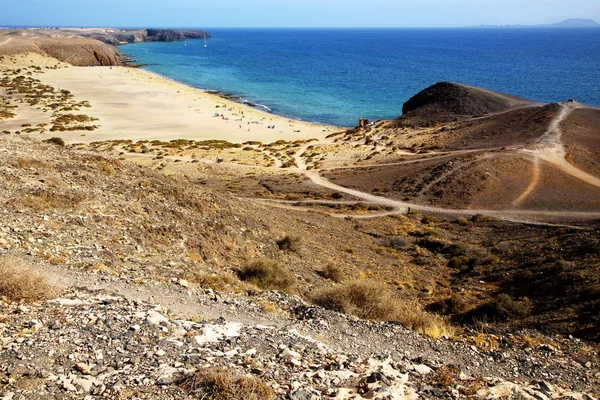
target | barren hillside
[{"x": 452, "y": 259}]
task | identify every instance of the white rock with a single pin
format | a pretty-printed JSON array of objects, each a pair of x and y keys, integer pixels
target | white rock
[
  {"x": 184, "y": 283},
  {"x": 422, "y": 369},
  {"x": 503, "y": 390},
  {"x": 214, "y": 333},
  {"x": 83, "y": 384},
  {"x": 155, "y": 318}
]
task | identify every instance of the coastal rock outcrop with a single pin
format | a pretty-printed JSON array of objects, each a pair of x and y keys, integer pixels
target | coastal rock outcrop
[
  {"x": 116, "y": 37},
  {"x": 86, "y": 47}
]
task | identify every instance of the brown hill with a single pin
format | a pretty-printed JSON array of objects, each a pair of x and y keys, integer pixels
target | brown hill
[
  {"x": 78, "y": 51},
  {"x": 447, "y": 101},
  {"x": 520, "y": 157}
]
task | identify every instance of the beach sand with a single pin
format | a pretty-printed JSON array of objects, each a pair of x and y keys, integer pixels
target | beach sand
[{"x": 133, "y": 104}]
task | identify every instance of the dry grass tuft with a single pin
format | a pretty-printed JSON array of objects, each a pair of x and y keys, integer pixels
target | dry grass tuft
[
  {"x": 332, "y": 272},
  {"x": 289, "y": 243},
  {"x": 222, "y": 384},
  {"x": 369, "y": 299},
  {"x": 219, "y": 282},
  {"x": 19, "y": 283},
  {"x": 56, "y": 140},
  {"x": 267, "y": 274}
]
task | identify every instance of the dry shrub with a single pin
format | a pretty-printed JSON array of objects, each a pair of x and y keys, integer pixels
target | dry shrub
[
  {"x": 221, "y": 282},
  {"x": 22, "y": 163},
  {"x": 332, "y": 272},
  {"x": 56, "y": 140},
  {"x": 289, "y": 243},
  {"x": 501, "y": 308},
  {"x": 267, "y": 274},
  {"x": 369, "y": 299},
  {"x": 20, "y": 283},
  {"x": 49, "y": 199},
  {"x": 222, "y": 384}
]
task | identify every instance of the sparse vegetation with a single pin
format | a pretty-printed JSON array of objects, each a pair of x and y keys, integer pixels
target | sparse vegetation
[
  {"x": 219, "y": 282},
  {"x": 332, "y": 272},
  {"x": 267, "y": 274},
  {"x": 20, "y": 283},
  {"x": 289, "y": 243},
  {"x": 223, "y": 384},
  {"x": 56, "y": 140},
  {"x": 372, "y": 300},
  {"x": 501, "y": 308}
]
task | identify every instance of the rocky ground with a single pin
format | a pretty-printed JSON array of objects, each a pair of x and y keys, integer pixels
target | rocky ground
[
  {"x": 95, "y": 344},
  {"x": 126, "y": 319}
]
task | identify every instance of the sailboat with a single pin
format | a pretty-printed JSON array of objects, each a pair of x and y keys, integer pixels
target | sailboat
[{"x": 205, "y": 40}]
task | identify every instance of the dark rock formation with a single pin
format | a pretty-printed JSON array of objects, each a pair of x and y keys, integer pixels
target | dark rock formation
[
  {"x": 456, "y": 99},
  {"x": 363, "y": 122},
  {"x": 447, "y": 102}
]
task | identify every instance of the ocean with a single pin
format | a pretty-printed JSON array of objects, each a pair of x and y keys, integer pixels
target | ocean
[{"x": 336, "y": 76}]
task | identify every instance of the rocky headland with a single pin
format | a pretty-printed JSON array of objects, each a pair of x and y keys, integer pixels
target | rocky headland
[{"x": 85, "y": 46}]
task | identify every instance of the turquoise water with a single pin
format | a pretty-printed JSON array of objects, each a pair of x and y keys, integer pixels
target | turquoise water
[{"x": 338, "y": 75}]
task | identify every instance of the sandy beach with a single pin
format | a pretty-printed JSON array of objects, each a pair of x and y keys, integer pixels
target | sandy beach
[{"x": 133, "y": 104}]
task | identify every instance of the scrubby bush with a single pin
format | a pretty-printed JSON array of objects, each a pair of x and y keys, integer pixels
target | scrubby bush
[
  {"x": 267, "y": 274},
  {"x": 433, "y": 245},
  {"x": 56, "y": 140},
  {"x": 332, "y": 272},
  {"x": 289, "y": 243},
  {"x": 452, "y": 305},
  {"x": 501, "y": 308},
  {"x": 372, "y": 300},
  {"x": 459, "y": 262},
  {"x": 18, "y": 282},
  {"x": 462, "y": 221},
  {"x": 222, "y": 384},
  {"x": 221, "y": 282},
  {"x": 483, "y": 218},
  {"x": 396, "y": 242}
]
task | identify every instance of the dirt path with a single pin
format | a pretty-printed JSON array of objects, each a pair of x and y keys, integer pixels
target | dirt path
[
  {"x": 548, "y": 149},
  {"x": 535, "y": 178},
  {"x": 6, "y": 41}
]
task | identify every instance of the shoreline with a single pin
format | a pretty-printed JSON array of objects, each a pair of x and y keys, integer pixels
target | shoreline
[
  {"x": 223, "y": 94},
  {"x": 136, "y": 104},
  {"x": 229, "y": 96}
]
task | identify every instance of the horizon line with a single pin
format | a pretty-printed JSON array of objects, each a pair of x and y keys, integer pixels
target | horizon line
[{"x": 482, "y": 26}]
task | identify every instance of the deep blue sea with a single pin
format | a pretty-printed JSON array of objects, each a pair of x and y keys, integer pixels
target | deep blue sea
[{"x": 338, "y": 75}]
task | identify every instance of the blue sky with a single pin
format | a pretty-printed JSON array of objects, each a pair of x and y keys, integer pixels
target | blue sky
[{"x": 292, "y": 13}]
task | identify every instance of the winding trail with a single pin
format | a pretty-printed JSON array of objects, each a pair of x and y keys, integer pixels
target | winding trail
[
  {"x": 549, "y": 148},
  {"x": 535, "y": 178},
  {"x": 6, "y": 41}
]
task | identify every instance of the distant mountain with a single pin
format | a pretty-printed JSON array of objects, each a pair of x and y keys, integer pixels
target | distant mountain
[
  {"x": 575, "y": 23},
  {"x": 567, "y": 23}
]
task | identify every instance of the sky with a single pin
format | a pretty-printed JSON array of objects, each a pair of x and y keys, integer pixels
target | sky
[{"x": 292, "y": 13}]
